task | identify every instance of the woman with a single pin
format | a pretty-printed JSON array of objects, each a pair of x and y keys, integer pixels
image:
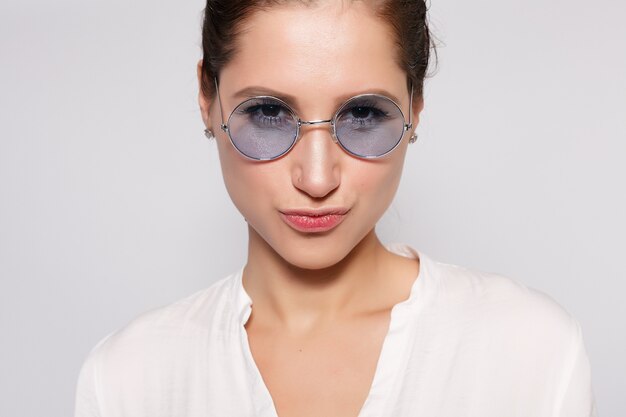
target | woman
[{"x": 312, "y": 106}]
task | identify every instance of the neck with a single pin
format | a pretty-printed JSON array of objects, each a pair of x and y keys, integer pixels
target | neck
[{"x": 300, "y": 299}]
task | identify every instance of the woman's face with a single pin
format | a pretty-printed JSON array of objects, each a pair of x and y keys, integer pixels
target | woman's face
[{"x": 321, "y": 56}]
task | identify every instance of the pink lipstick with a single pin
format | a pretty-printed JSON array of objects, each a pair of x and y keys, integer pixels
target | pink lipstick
[{"x": 311, "y": 221}]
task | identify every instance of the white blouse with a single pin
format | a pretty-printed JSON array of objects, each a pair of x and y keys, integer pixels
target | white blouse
[{"x": 464, "y": 343}]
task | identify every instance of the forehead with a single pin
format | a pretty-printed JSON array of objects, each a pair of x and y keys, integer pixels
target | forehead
[{"x": 328, "y": 51}]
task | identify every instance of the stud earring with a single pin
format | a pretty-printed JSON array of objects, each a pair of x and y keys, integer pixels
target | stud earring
[
  {"x": 209, "y": 134},
  {"x": 413, "y": 137}
]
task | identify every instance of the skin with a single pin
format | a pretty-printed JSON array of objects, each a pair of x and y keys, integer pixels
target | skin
[{"x": 316, "y": 297}]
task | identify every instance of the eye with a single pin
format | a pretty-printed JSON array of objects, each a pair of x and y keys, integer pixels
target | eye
[
  {"x": 270, "y": 110},
  {"x": 361, "y": 112},
  {"x": 265, "y": 111},
  {"x": 365, "y": 111}
]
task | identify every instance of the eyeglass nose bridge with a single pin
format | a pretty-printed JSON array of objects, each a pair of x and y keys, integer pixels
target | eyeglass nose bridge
[
  {"x": 317, "y": 122},
  {"x": 314, "y": 122}
]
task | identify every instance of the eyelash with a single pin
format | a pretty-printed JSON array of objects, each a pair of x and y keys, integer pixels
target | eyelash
[
  {"x": 377, "y": 112},
  {"x": 252, "y": 110}
]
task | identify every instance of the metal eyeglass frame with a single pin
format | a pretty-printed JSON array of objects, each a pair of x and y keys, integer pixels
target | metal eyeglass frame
[{"x": 224, "y": 126}]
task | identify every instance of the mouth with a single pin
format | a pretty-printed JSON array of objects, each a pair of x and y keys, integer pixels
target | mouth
[{"x": 314, "y": 221}]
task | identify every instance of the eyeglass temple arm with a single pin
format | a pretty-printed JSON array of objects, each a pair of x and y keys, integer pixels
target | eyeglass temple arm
[
  {"x": 219, "y": 99},
  {"x": 410, "y": 124}
]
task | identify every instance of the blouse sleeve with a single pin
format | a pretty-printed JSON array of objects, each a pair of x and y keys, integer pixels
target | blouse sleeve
[
  {"x": 578, "y": 399},
  {"x": 86, "y": 402}
]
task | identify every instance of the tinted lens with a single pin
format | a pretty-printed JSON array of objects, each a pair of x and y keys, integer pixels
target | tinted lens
[
  {"x": 369, "y": 125},
  {"x": 262, "y": 128}
]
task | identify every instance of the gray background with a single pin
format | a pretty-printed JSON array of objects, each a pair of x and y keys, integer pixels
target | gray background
[{"x": 111, "y": 200}]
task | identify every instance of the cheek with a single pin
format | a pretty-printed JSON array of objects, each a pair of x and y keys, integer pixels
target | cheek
[
  {"x": 376, "y": 183},
  {"x": 250, "y": 184},
  {"x": 236, "y": 176}
]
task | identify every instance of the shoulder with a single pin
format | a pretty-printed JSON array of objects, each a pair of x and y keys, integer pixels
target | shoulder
[
  {"x": 187, "y": 314},
  {"x": 517, "y": 337},
  {"x": 157, "y": 347},
  {"x": 168, "y": 330},
  {"x": 500, "y": 305}
]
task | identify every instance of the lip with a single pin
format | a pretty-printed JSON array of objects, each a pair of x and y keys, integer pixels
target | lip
[{"x": 314, "y": 221}]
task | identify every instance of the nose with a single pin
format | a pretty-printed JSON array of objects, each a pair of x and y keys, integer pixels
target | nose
[{"x": 316, "y": 161}]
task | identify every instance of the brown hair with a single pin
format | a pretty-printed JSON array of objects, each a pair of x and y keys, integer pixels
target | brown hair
[{"x": 407, "y": 18}]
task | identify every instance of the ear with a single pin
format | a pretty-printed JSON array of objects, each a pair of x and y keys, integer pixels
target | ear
[{"x": 204, "y": 103}]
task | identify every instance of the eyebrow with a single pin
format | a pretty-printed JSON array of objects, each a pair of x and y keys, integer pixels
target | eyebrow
[{"x": 253, "y": 91}]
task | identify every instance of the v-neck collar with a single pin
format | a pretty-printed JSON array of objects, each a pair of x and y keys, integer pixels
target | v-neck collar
[{"x": 392, "y": 357}]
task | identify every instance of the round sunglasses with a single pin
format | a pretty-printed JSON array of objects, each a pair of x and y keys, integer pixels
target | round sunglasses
[{"x": 264, "y": 128}]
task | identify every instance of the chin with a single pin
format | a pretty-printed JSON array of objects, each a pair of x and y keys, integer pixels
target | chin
[
  {"x": 312, "y": 252},
  {"x": 316, "y": 253},
  {"x": 311, "y": 262}
]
